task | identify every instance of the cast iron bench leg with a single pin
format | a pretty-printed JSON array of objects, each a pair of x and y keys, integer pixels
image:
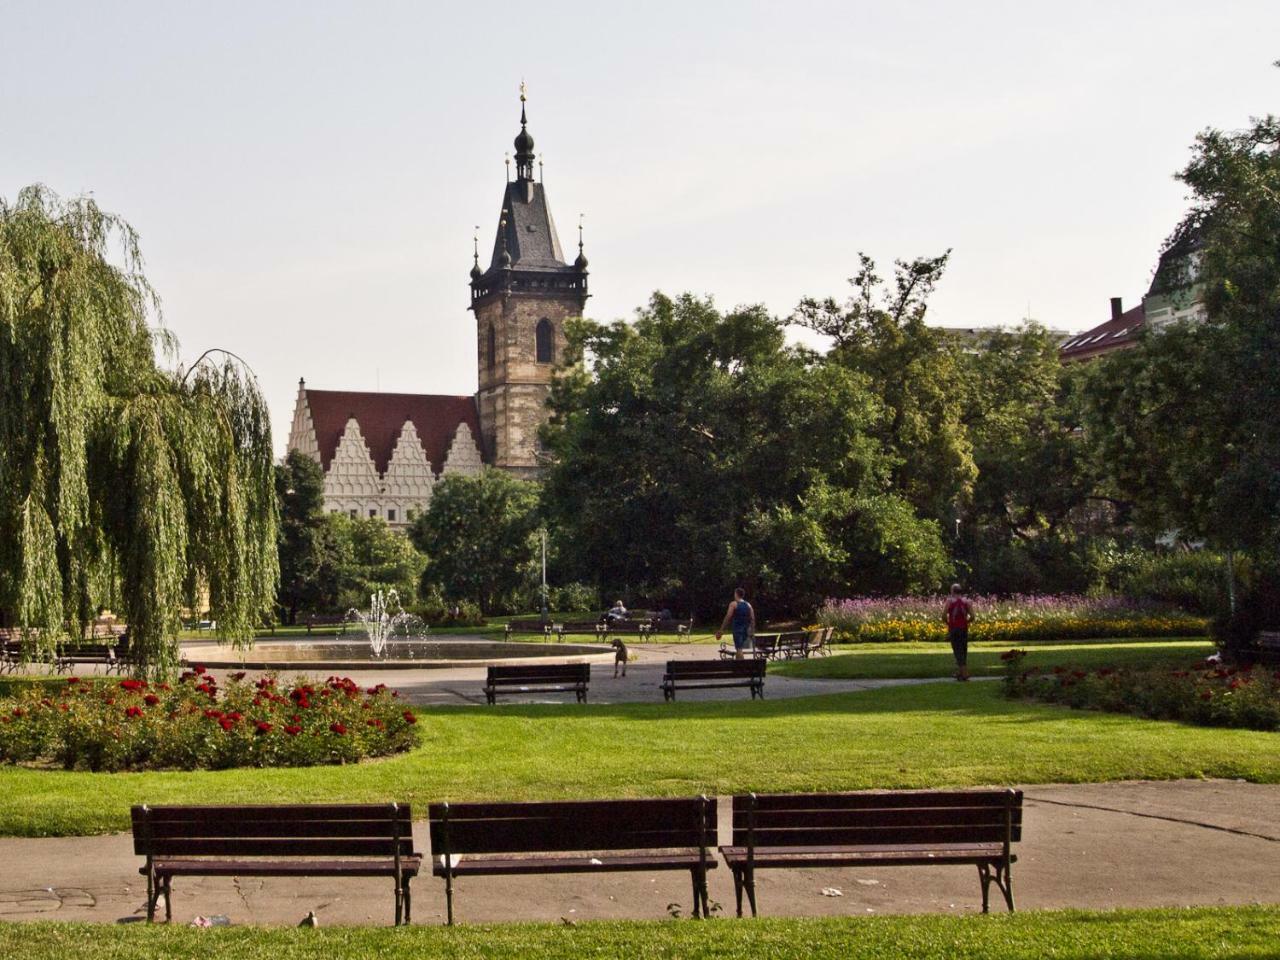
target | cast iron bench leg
[
  {"x": 750, "y": 880},
  {"x": 984, "y": 876}
]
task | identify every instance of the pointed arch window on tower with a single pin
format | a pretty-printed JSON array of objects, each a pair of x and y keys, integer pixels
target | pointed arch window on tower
[
  {"x": 544, "y": 340},
  {"x": 492, "y": 353}
]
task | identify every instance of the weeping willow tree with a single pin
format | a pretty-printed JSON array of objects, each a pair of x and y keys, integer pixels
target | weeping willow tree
[{"x": 123, "y": 483}]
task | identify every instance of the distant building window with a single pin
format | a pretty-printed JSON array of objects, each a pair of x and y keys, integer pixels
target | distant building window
[
  {"x": 354, "y": 514},
  {"x": 372, "y": 512},
  {"x": 391, "y": 516},
  {"x": 544, "y": 340},
  {"x": 493, "y": 348}
]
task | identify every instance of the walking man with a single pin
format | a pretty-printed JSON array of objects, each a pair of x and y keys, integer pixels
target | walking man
[
  {"x": 743, "y": 619},
  {"x": 958, "y": 614}
]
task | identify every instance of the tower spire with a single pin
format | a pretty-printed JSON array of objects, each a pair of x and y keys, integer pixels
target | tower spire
[
  {"x": 476, "y": 272},
  {"x": 524, "y": 143},
  {"x": 581, "y": 262}
]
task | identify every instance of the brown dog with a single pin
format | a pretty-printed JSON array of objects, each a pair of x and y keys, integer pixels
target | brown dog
[{"x": 619, "y": 656}]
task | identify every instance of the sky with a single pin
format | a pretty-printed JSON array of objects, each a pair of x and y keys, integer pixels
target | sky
[{"x": 306, "y": 177}]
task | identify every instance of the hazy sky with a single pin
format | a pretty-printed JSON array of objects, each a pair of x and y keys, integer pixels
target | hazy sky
[{"x": 306, "y": 176}]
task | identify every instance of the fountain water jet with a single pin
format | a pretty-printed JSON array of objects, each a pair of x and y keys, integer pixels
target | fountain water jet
[{"x": 385, "y": 619}]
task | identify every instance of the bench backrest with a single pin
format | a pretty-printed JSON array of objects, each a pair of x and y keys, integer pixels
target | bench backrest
[
  {"x": 840, "y": 819},
  {"x": 714, "y": 669},
  {"x": 1269, "y": 639},
  {"x": 540, "y": 673},
  {"x": 572, "y": 825},
  {"x": 307, "y": 830}
]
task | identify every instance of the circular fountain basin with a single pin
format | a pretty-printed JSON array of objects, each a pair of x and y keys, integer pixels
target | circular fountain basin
[{"x": 397, "y": 655}]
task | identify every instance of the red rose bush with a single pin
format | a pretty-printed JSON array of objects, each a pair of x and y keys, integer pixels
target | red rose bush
[
  {"x": 198, "y": 723},
  {"x": 1208, "y": 692}
]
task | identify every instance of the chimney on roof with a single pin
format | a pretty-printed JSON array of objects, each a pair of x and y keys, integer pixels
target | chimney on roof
[{"x": 1117, "y": 307}]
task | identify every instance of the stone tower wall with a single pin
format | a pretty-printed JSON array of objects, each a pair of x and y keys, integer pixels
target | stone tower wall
[{"x": 513, "y": 391}]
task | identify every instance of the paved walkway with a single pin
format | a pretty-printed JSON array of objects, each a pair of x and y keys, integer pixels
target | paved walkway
[{"x": 1090, "y": 846}]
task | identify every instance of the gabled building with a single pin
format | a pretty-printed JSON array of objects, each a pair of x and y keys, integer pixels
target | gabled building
[
  {"x": 383, "y": 452},
  {"x": 1173, "y": 295}
]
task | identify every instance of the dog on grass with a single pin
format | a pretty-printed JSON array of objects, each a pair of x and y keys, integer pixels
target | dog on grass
[{"x": 619, "y": 656}]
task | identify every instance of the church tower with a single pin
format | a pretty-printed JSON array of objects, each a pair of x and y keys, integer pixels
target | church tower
[{"x": 520, "y": 304}]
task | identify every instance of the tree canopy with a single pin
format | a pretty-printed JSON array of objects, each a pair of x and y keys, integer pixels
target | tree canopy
[
  {"x": 122, "y": 483},
  {"x": 700, "y": 451},
  {"x": 479, "y": 533}
]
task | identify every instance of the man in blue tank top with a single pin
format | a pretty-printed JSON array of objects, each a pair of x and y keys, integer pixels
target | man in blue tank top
[{"x": 743, "y": 619}]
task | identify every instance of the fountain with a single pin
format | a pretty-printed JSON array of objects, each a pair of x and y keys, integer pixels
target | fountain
[
  {"x": 396, "y": 640},
  {"x": 381, "y": 624}
]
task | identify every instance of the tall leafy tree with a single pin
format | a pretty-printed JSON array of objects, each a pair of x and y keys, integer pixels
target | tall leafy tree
[
  {"x": 1186, "y": 420},
  {"x": 880, "y": 333},
  {"x": 699, "y": 451},
  {"x": 480, "y": 535},
  {"x": 370, "y": 556},
  {"x": 120, "y": 482},
  {"x": 308, "y": 546}
]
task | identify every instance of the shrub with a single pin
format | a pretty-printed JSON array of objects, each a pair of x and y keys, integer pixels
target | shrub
[
  {"x": 109, "y": 724},
  {"x": 1016, "y": 619},
  {"x": 574, "y": 598},
  {"x": 1192, "y": 580},
  {"x": 441, "y": 613},
  {"x": 1209, "y": 693}
]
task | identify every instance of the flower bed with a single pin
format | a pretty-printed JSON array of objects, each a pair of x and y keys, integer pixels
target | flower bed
[
  {"x": 110, "y": 724},
  {"x": 1021, "y": 618},
  {"x": 1207, "y": 693}
]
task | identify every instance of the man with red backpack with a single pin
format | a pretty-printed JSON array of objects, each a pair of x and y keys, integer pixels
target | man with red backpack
[{"x": 958, "y": 614}]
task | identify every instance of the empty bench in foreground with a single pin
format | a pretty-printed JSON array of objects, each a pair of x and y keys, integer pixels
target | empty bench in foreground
[
  {"x": 904, "y": 828},
  {"x": 538, "y": 678},
  {"x": 576, "y": 836},
  {"x": 701, "y": 674},
  {"x": 310, "y": 840}
]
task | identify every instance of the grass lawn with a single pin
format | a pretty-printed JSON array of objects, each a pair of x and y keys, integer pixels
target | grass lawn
[
  {"x": 928, "y": 735},
  {"x": 881, "y": 660},
  {"x": 1067, "y": 935}
]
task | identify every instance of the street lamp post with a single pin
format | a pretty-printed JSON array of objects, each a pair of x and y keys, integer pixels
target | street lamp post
[{"x": 545, "y": 612}]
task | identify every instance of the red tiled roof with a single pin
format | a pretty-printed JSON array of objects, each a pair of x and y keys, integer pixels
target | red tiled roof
[
  {"x": 1116, "y": 333},
  {"x": 381, "y": 417}
]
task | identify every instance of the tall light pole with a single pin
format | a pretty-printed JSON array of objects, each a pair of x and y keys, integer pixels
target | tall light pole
[{"x": 545, "y": 612}]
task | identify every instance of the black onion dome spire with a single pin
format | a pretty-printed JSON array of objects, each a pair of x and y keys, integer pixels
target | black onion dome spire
[
  {"x": 524, "y": 143},
  {"x": 581, "y": 262}
]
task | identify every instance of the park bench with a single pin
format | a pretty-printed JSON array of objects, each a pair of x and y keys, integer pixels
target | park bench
[
  {"x": 764, "y": 646},
  {"x": 794, "y": 644},
  {"x": 821, "y": 644},
  {"x": 579, "y": 836},
  {"x": 309, "y": 840},
  {"x": 1269, "y": 647},
  {"x": 544, "y": 627},
  {"x": 692, "y": 674},
  {"x": 113, "y": 655},
  {"x": 540, "y": 678},
  {"x": 338, "y": 620},
  {"x": 901, "y": 828}
]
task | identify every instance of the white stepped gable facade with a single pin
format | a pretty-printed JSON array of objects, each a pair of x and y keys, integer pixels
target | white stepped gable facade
[{"x": 353, "y": 483}]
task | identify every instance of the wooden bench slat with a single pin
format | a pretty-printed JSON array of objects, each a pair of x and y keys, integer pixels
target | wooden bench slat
[
  {"x": 608, "y": 863},
  {"x": 284, "y": 813},
  {"x": 549, "y": 836},
  {"x": 274, "y": 847},
  {"x": 635, "y": 810},
  {"x": 853, "y": 836},
  {"x": 882, "y": 817},
  {"x": 314, "y": 829},
  {"x": 409, "y": 866},
  {"x": 875, "y": 799}
]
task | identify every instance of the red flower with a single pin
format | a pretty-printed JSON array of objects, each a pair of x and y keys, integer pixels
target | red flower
[
  {"x": 200, "y": 670},
  {"x": 133, "y": 684},
  {"x": 214, "y": 714},
  {"x": 264, "y": 727},
  {"x": 293, "y": 730},
  {"x": 73, "y": 679},
  {"x": 375, "y": 722},
  {"x": 18, "y": 711},
  {"x": 133, "y": 712},
  {"x": 1206, "y": 695},
  {"x": 150, "y": 699},
  {"x": 235, "y": 715},
  {"x": 409, "y": 717},
  {"x": 226, "y": 723},
  {"x": 337, "y": 728}
]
